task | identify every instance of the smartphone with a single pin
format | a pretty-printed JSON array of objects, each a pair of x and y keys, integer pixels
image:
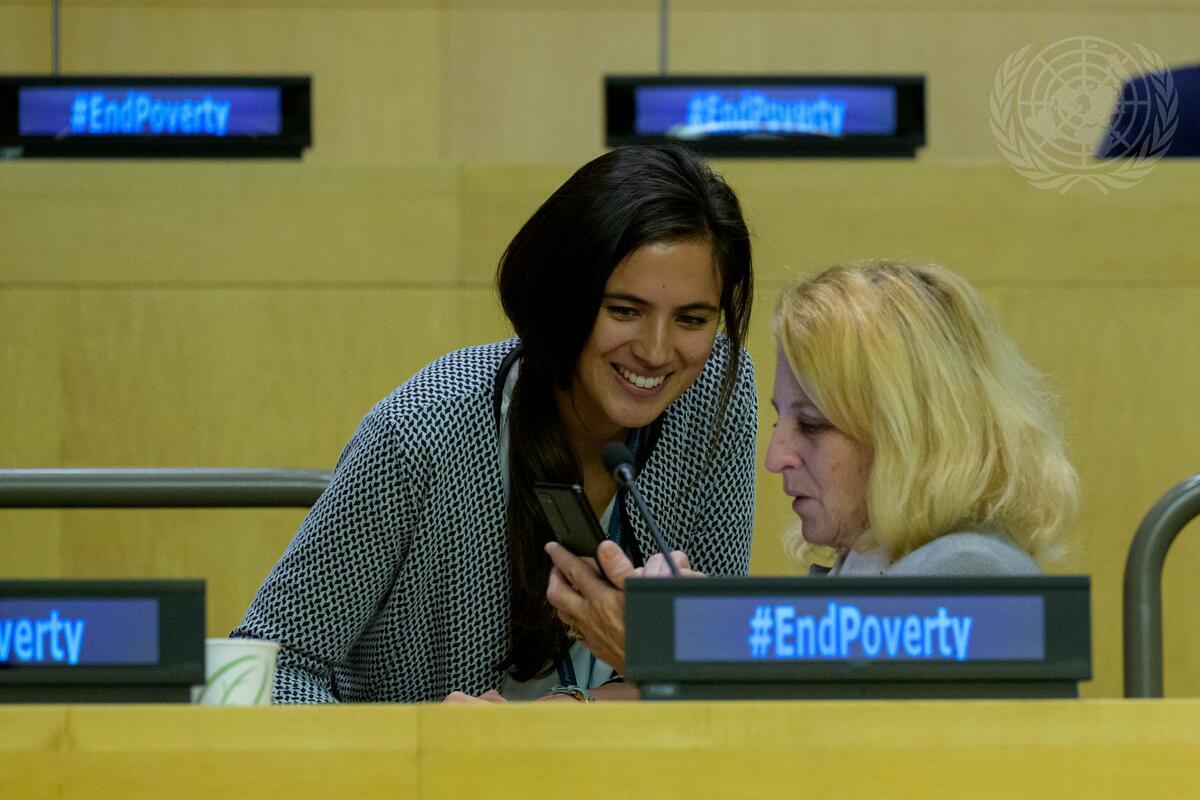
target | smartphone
[{"x": 571, "y": 517}]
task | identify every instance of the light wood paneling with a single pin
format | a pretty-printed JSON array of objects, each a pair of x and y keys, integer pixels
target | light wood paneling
[
  {"x": 83, "y": 753},
  {"x": 849, "y": 749},
  {"x": 1181, "y": 603},
  {"x": 204, "y": 223},
  {"x": 230, "y": 549},
  {"x": 212, "y": 222},
  {"x": 216, "y": 377},
  {"x": 547, "y": 104},
  {"x": 494, "y": 201},
  {"x": 984, "y": 220},
  {"x": 25, "y": 38},
  {"x": 1124, "y": 360},
  {"x": 926, "y": 750},
  {"x": 32, "y": 543}
]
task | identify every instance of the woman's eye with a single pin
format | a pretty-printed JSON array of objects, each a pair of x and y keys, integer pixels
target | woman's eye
[
  {"x": 811, "y": 427},
  {"x": 622, "y": 312},
  {"x": 689, "y": 321}
]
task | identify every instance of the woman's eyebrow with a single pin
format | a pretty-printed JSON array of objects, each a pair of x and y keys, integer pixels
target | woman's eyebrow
[
  {"x": 628, "y": 298},
  {"x": 699, "y": 305},
  {"x": 794, "y": 406},
  {"x": 809, "y": 410}
]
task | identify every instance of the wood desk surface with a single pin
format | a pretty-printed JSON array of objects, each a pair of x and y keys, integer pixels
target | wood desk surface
[{"x": 948, "y": 749}]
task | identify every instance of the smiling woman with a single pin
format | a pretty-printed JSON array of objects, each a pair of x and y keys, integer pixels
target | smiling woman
[
  {"x": 657, "y": 322},
  {"x": 421, "y": 571}
]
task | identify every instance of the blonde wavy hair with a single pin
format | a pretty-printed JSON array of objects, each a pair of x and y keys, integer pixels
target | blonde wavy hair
[{"x": 908, "y": 361}]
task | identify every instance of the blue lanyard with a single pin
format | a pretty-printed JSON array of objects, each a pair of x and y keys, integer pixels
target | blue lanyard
[{"x": 566, "y": 670}]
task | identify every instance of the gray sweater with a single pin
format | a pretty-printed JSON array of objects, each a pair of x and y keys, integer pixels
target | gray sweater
[{"x": 955, "y": 555}]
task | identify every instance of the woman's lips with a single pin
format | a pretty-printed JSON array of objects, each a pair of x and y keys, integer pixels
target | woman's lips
[{"x": 634, "y": 389}]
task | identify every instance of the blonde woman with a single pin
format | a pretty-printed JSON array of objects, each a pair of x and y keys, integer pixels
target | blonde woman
[{"x": 911, "y": 437}]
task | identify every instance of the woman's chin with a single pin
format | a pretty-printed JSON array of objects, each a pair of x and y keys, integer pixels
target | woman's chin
[
  {"x": 815, "y": 534},
  {"x": 632, "y": 418},
  {"x": 818, "y": 541}
]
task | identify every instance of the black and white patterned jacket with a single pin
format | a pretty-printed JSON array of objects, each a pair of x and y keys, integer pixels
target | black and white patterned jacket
[{"x": 396, "y": 586}]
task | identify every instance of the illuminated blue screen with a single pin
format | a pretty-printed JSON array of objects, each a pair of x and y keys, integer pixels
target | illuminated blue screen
[
  {"x": 697, "y": 112},
  {"x": 150, "y": 111},
  {"x": 893, "y": 628},
  {"x": 78, "y": 632}
]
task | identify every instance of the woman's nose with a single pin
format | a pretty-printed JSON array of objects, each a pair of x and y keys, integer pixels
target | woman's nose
[
  {"x": 653, "y": 344},
  {"x": 781, "y": 453}
]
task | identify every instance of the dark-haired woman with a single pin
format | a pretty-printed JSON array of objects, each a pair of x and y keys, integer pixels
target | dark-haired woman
[{"x": 420, "y": 572}]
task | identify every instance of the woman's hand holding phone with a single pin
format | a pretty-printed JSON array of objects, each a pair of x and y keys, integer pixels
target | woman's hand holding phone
[{"x": 591, "y": 598}]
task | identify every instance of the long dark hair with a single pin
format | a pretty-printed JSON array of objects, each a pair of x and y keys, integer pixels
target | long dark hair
[{"x": 551, "y": 280}]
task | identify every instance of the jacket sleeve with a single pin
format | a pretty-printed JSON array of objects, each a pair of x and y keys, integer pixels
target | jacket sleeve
[
  {"x": 718, "y": 542},
  {"x": 325, "y": 588}
]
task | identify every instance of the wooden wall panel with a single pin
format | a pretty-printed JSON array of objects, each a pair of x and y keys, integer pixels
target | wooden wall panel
[
  {"x": 984, "y": 219},
  {"x": 493, "y": 202},
  {"x": 214, "y": 377},
  {"x": 546, "y": 104},
  {"x": 1181, "y": 602},
  {"x": 1124, "y": 359},
  {"x": 25, "y": 38},
  {"x": 231, "y": 549},
  {"x": 32, "y": 543},
  {"x": 195, "y": 223},
  {"x": 928, "y": 750}
]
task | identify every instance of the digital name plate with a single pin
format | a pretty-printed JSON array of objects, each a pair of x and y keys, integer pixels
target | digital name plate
[
  {"x": 810, "y": 116},
  {"x": 858, "y": 637},
  {"x": 146, "y": 117},
  {"x": 101, "y": 641}
]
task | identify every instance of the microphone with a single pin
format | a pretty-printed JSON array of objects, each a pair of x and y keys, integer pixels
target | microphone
[{"x": 619, "y": 461}]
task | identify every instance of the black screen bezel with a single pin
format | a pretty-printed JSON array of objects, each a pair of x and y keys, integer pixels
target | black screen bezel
[
  {"x": 294, "y": 137},
  {"x": 910, "y": 117},
  {"x": 650, "y": 626},
  {"x": 181, "y": 625}
]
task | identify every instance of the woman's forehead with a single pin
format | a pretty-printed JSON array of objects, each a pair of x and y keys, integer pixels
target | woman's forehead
[{"x": 787, "y": 390}]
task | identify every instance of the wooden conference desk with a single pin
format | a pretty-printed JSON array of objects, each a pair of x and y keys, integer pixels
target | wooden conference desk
[{"x": 1047, "y": 748}]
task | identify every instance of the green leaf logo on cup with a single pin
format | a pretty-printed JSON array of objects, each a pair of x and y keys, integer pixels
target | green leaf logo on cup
[{"x": 238, "y": 672}]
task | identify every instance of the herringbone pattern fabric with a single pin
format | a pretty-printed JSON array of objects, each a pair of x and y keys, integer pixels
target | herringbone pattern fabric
[{"x": 395, "y": 588}]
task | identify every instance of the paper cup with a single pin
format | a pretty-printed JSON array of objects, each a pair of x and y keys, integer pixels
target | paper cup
[{"x": 237, "y": 672}]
